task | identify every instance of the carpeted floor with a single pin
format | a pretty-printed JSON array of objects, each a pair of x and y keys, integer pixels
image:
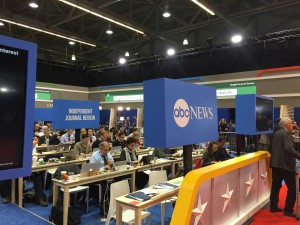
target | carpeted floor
[
  {"x": 264, "y": 217},
  {"x": 12, "y": 214}
]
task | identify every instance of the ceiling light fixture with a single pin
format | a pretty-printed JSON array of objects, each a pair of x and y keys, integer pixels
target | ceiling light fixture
[
  {"x": 3, "y": 89},
  {"x": 126, "y": 54},
  {"x": 171, "y": 51},
  {"x": 122, "y": 60},
  {"x": 236, "y": 38},
  {"x": 109, "y": 30},
  {"x": 166, "y": 13},
  {"x": 48, "y": 32},
  {"x": 101, "y": 16},
  {"x": 203, "y": 7},
  {"x": 71, "y": 43},
  {"x": 1, "y": 24},
  {"x": 128, "y": 108},
  {"x": 73, "y": 57},
  {"x": 33, "y": 4},
  {"x": 185, "y": 41}
]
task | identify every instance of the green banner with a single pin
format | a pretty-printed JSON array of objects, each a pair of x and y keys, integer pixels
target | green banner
[
  {"x": 42, "y": 94},
  {"x": 133, "y": 95}
]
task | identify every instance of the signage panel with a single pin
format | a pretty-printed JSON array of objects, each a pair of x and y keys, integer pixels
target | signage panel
[
  {"x": 17, "y": 82},
  {"x": 43, "y": 114},
  {"x": 75, "y": 114},
  {"x": 178, "y": 113}
]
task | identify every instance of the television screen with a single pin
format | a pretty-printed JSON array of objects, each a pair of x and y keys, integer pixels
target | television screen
[
  {"x": 264, "y": 114},
  {"x": 13, "y": 64},
  {"x": 17, "y": 82}
]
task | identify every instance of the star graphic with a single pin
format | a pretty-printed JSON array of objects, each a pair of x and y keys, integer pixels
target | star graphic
[
  {"x": 264, "y": 176},
  {"x": 249, "y": 184},
  {"x": 198, "y": 211},
  {"x": 226, "y": 197}
]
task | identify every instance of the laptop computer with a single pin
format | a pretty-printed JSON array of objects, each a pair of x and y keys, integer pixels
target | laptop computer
[
  {"x": 63, "y": 147},
  {"x": 86, "y": 168},
  {"x": 146, "y": 159},
  {"x": 116, "y": 150},
  {"x": 121, "y": 165}
]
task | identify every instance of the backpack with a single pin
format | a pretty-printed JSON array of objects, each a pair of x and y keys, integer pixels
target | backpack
[{"x": 57, "y": 216}]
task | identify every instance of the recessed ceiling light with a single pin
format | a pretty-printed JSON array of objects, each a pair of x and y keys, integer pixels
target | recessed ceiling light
[
  {"x": 236, "y": 38},
  {"x": 71, "y": 43},
  {"x": 33, "y": 5},
  {"x": 1, "y": 23},
  {"x": 171, "y": 51}
]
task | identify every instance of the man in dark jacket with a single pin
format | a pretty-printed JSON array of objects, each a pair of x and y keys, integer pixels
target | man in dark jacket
[{"x": 283, "y": 164}]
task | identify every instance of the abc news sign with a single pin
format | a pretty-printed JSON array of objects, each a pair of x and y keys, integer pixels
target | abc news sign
[{"x": 178, "y": 113}]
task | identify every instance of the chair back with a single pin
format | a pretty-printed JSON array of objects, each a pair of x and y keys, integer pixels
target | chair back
[
  {"x": 156, "y": 177},
  {"x": 198, "y": 163},
  {"x": 117, "y": 189},
  {"x": 69, "y": 168}
]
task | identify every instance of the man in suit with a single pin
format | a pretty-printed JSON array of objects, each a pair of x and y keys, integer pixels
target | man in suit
[
  {"x": 45, "y": 139},
  {"x": 283, "y": 164}
]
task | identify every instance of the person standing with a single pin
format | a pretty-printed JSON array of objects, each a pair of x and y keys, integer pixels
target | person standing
[{"x": 283, "y": 164}]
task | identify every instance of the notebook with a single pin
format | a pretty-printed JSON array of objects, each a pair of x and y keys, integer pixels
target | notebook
[
  {"x": 121, "y": 165},
  {"x": 86, "y": 168}
]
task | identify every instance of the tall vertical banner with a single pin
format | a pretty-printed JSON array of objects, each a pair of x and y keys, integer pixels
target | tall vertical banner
[
  {"x": 17, "y": 84},
  {"x": 179, "y": 113},
  {"x": 75, "y": 114}
]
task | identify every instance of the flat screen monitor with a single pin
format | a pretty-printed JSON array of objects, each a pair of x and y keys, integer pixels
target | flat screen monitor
[
  {"x": 264, "y": 114},
  {"x": 17, "y": 85}
]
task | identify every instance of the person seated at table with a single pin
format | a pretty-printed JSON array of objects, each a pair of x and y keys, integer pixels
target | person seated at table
[
  {"x": 45, "y": 139},
  {"x": 209, "y": 157},
  {"x": 68, "y": 137},
  {"x": 164, "y": 153},
  {"x": 134, "y": 129},
  {"x": 83, "y": 146},
  {"x": 105, "y": 158},
  {"x": 100, "y": 137},
  {"x": 129, "y": 154},
  {"x": 120, "y": 140},
  {"x": 222, "y": 153}
]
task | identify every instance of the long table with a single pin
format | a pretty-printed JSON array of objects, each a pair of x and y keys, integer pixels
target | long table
[
  {"x": 124, "y": 202},
  {"x": 66, "y": 185},
  {"x": 38, "y": 168}
]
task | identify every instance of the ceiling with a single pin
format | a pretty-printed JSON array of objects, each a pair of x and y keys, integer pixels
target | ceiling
[{"x": 251, "y": 18}]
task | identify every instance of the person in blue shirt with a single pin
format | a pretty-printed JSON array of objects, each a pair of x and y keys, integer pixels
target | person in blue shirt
[
  {"x": 68, "y": 137},
  {"x": 105, "y": 158}
]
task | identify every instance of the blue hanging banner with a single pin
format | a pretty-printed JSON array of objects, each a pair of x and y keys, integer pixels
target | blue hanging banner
[
  {"x": 75, "y": 114},
  {"x": 43, "y": 114},
  {"x": 179, "y": 113}
]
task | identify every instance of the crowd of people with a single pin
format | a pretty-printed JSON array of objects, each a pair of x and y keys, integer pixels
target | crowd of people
[{"x": 96, "y": 144}]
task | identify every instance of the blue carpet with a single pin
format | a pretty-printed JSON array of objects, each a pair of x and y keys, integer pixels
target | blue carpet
[{"x": 13, "y": 214}]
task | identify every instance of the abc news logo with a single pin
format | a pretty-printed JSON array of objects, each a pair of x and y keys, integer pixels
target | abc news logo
[{"x": 183, "y": 113}]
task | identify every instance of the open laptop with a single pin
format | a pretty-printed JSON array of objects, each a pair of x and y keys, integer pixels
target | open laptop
[
  {"x": 63, "y": 147},
  {"x": 121, "y": 165},
  {"x": 86, "y": 168},
  {"x": 116, "y": 150},
  {"x": 146, "y": 159}
]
